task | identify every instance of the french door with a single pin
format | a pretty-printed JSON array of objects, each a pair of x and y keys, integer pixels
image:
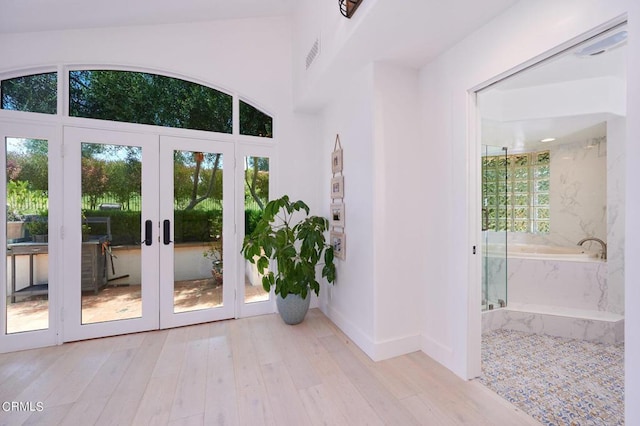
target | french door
[
  {"x": 160, "y": 253},
  {"x": 32, "y": 194}
]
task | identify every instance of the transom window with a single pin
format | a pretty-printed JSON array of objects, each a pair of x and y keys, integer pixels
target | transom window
[
  {"x": 31, "y": 93},
  {"x": 516, "y": 192},
  {"x": 136, "y": 97}
]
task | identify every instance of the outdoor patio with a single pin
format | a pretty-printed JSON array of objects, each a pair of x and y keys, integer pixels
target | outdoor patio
[{"x": 122, "y": 302}]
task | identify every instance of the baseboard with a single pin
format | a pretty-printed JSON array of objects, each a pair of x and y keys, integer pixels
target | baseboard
[
  {"x": 354, "y": 333},
  {"x": 377, "y": 351},
  {"x": 439, "y": 352}
]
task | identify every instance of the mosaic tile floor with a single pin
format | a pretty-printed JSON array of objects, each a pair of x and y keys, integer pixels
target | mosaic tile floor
[{"x": 557, "y": 381}]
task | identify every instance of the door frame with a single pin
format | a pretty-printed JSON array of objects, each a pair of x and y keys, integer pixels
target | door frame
[
  {"x": 72, "y": 327},
  {"x": 168, "y": 318},
  {"x": 46, "y": 337}
]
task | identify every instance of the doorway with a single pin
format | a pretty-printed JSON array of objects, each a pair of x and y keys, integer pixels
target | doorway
[
  {"x": 563, "y": 122},
  {"x": 147, "y": 262}
]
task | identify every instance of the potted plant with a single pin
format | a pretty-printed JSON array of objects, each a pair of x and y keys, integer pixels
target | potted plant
[
  {"x": 15, "y": 225},
  {"x": 297, "y": 247},
  {"x": 214, "y": 254},
  {"x": 38, "y": 227}
]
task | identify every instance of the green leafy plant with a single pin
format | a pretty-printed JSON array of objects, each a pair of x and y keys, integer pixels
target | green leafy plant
[
  {"x": 38, "y": 225},
  {"x": 297, "y": 248}
]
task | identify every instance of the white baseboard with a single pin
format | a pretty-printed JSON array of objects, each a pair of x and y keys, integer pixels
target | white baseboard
[
  {"x": 377, "y": 351},
  {"x": 440, "y": 353}
]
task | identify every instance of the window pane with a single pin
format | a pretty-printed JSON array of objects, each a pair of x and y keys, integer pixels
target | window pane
[
  {"x": 542, "y": 199},
  {"x": 542, "y": 213},
  {"x": 256, "y": 196},
  {"x": 254, "y": 122},
  {"x": 198, "y": 230},
  {"x": 143, "y": 98},
  {"x": 27, "y": 201},
  {"x": 111, "y": 177},
  {"x": 544, "y": 157},
  {"x": 32, "y": 93},
  {"x": 542, "y": 185}
]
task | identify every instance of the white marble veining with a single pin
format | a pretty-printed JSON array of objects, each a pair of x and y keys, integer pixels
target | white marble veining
[
  {"x": 569, "y": 323},
  {"x": 578, "y": 285}
]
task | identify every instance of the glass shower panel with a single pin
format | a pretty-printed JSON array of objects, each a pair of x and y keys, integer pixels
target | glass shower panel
[{"x": 495, "y": 205}]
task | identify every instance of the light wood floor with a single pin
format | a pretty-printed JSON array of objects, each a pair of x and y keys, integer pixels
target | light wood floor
[{"x": 251, "y": 371}]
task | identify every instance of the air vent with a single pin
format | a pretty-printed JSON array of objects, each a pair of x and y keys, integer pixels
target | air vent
[{"x": 313, "y": 53}]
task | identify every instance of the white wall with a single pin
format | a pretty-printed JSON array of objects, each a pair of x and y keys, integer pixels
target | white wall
[
  {"x": 504, "y": 44},
  {"x": 401, "y": 211},
  {"x": 350, "y": 302}
]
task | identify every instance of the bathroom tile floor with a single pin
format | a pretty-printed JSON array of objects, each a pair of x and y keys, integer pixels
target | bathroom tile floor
[{"x": 555, "y": 380}]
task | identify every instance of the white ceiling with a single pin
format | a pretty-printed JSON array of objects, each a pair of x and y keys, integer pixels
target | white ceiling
[
  {"x": 524, "y": 135},
  {"x": 45, "y": 15}
]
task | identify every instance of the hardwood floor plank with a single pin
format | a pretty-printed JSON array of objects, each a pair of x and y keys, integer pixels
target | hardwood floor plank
[
  {"x": 321, "y": 406},
  {"x": 267, "y": 351},
  {"x": 426, "y": 414},
  {"x": 221, "y": 395},
  {"x": 386, "y": 406},
  {"x": 253, "y": 407},
  {"x": 190, "y": 392},
  {"x": 285, "y": 402}
]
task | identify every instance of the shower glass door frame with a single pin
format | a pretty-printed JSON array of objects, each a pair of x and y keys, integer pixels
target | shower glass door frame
[{"x": 495, "y": 202}]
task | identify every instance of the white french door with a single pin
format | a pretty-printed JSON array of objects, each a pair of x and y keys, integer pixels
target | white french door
[
  {"x": 32, "y": 192},
  {"x": 153, "y": 267},
  {"x": 97, "y": 303},
  {"x": 196, "y": 264}
]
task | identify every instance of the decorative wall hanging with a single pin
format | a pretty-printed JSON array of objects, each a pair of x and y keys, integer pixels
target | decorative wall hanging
[
  {"x": 337, "y": 210},
  {"x": 336, "y": 161},
  {"x": 337, "y": 187},
  {"x": 337, "y": 215},
  {"x": 339, "y": 243}
]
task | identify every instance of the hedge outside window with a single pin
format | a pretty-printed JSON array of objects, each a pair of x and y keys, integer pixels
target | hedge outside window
[
  {"x": 144, "y": 98},
  {"x": 516, "y": 192},
  {"x": 254, "y": 122},
  {"x": 31, "y": 93}
]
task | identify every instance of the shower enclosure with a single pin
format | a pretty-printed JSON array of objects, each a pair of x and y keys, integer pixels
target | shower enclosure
[{"x": 495, "y": 202}]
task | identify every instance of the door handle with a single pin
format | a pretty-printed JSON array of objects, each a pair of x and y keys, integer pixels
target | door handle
[
  {"x": 166, "y": 237},
  {"x": 148, "y": 232}
]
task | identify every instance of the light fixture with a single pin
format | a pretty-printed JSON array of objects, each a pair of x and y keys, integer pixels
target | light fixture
[
  {"x": 348, "y": 7},
  {"x": 545, "y": 140},
  {"x": 603, "y": 44}
]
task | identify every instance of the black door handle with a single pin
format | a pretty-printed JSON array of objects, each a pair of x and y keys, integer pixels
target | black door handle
[
  {"x": 166, "y": 238},
  {"x": 148, "y": 232}
]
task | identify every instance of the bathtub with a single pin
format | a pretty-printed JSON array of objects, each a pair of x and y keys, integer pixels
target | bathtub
[
  {"x": 554, "y": 290},
  {"x": 543, "y": 252}
]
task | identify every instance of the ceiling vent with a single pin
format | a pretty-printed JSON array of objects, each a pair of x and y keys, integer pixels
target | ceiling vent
[{"x": 313, "y": 53}]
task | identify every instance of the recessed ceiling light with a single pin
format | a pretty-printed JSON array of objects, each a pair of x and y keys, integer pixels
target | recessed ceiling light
[{"x": 548, "y": 140}]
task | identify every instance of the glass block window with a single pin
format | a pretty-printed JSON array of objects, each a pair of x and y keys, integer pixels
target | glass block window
[
  {"x": 31, "y": 93},
  {"x": 254, "y": 122},
  {"x": 144, "y": 98},
  {"x": 516, "y": 192}
]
